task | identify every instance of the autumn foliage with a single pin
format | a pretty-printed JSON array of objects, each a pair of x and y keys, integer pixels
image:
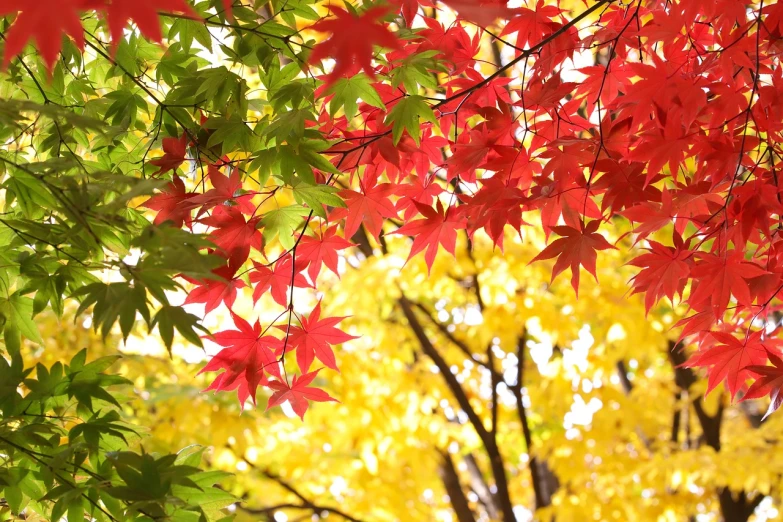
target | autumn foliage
[{"x": 675, "y": 127}]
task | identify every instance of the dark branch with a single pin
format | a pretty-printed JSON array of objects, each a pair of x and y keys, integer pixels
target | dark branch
[
  {"x": 450, "y": 478},
  {"x": 488, "y": 441},
  {"x": 542, "y": 497},
  {"x": 305, "y": 503}
]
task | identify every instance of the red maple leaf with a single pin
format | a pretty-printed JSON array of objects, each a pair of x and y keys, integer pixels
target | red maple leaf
[
  {"x": 481, "y": 12},
  {"x": 410, "y": 8},
  {"x": 246, "y": 355},
  {"x": 298, "y": 394},
  {"x": 530, "y": 25},
  {"x": 144, "y": 13},
  {"x": 228, "y": 8},
  {"x": 770, "y": 382},
  {"x": 46, "y": 21},
  {"x": 623, "y": 186},
  {"x": 470, "y": 152},
  {"x": 421, "y": 189},
  {"x": 224, "y": 188},
  {"x": 240, "y": 385},
  {"x": 233, "y": 234},
  {"x": 212, "y": 292},
  {"x": 662, "y": 147},
  {"x": 664, "y": 272},
  {"x": 314, "y": 339},
  {"x": 368, "y": 208},
  {"x": 316, "y": 251},
  {"x": 651, "y": 215},
  {"x": 575, "y": 248},
  {"x": 351, "y": 42},
  {"x": 493, "y": 207},
  {"x": 728, "y": 360},
  {"x": 278, "y": 279},
  {"x": 169, "y": 203},
  {"x": 174, "y": 150},
  {"x": 718, "y": 277},
  {"x": 439, "y": 227}
]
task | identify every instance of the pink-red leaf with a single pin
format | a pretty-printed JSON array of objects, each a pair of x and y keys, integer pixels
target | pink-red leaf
[
  {"x": 576, "y": 247},
  {"x": 299, "y": 394},
  {"x": 314, "y": 339}
]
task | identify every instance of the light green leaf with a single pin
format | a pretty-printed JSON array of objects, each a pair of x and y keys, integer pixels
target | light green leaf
[
  {"x": 406, "y": 115},
  {"x": 316, "y": 196},
  {"x": 282, "y": 223},
  {"x": 348, "y": 91}
]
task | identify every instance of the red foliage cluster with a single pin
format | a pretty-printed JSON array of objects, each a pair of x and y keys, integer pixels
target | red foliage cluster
[
  {"x": 249, "y": 356},
  {"x": 678, "y": 121},
  {"x": 47, "y": 21}
]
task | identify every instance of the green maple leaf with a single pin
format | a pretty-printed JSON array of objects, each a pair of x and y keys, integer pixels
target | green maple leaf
[
  {"x": 406, "y": 116},
  {"x": 347, "y": 92},
  {"x": 316, "y": 196},
  {"x": 282, "y": 223}
]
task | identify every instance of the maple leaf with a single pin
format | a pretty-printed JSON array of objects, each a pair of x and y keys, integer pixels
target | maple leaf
[
  {"x": 298, "y": 394},
  {"x": 212, "y": 292},
  {"x": 46, "y": 21},
  {"x": 351, "y": 41},
  {"x": 233, "y": 234},
  {"x": 608, "y": 83},
  {"x": 495, "y": 206},
  {"x": 245, "y": 356},
  {"x": 728, "y": 360},
  {"x": 439, "y": 227},
  {"x": 409, "y": 8},
  {"x": 169, "y": 204},
  {"x": 651, "y": 215},
  {"x": 228, "y": 9},
  {"x": 224, "y": 188},
  {"x": 313, "y": 339},
  {"x": 695, "y": 324},
  {"x": 718, "y": 277},
  {"x": 240, "y": 385},
  {"x": 367, "y": 208},
  {"x": 530, "y": 25},
  {"x": 314, "y": 252},
  {"x": 470, "y": 155},
  {"x": 576, "y": 247},
  {"x": 481, "y": 12},
  {"x": 175, "y": 150},
  {"x": 664, "y": 272},
  {"x": 144, "y": 13},
  {"x": 421, "y": 189},
  {"x": 770, "y": 382},
  {"x": 278, "y": 279},
  {"x": 660, "y": 148}
]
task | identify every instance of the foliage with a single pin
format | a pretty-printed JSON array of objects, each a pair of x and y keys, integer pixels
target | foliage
[
  {"x": 282, "y": 161},
  {"x": 65, "y": 452},
  {"x": 617, "y": 424},
  {"x": 264, "y": 140}
]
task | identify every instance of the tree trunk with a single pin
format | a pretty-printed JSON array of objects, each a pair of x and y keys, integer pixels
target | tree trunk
[
  {"x": 737, "y": 507},
  {"x": 459, "y": 503}
]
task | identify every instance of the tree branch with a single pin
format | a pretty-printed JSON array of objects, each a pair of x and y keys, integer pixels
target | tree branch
[
  {"x": 443, "y": 329},
  {"x": 542, "y": 497},
  {"x": 450, "y": 478},
  {"x": 480, "y": 486},
  {"x": 735, "y": 507},
  {"x": 306, "y": 503},
  {"x": 488, "y": 441}
]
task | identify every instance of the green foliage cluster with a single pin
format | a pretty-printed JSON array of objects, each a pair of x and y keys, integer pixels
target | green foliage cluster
[{"x": 65, "y": 452}]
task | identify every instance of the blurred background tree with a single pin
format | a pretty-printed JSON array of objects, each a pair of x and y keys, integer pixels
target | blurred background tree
[{"x": 477, "y": 392}]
